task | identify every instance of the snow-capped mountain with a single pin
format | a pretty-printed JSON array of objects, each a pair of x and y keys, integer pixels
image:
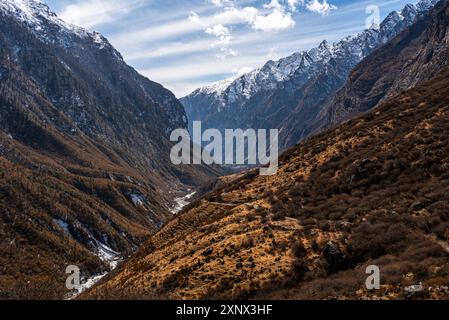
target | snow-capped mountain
[
  {"x": 46, "y": 25},
  {"x": 292, "y": 89}
]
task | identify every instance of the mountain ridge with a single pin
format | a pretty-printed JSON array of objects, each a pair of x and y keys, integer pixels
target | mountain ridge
[
  {"x": 370, "y": 191},
  {"x": 288, "y": 93}
]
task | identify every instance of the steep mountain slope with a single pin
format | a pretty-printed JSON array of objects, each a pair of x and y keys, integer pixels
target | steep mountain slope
[
  {"x": 370, "y": 192},
  {"x": 289, "y": 93},
  {"x": 415, "y": 56},
  {"x": 84, "y": 152}
]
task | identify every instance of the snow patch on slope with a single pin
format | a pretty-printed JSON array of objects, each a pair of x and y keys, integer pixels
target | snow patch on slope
[
  {"x": 38, "y": 17},
  {"x": 137, "y": 199},
  {"x": 63, "y": 225},
  {"x": 182, "y": 202},
  {"x": 106, "y": 254}
]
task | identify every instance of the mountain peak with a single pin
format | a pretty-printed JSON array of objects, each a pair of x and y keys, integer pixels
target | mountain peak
[
  {"x": 426, "y": 5},
  {"x": 274, "y": 72},
  {"x": 324, "y": 45},
  {"x": 216, "y": 87},
  {"x": 393, "y": 17},
  {"x": 38, "y": 17},
  {"x": 409, "y": 12},
  {"x": 278, "y": 84},
  {"x": 30, "y": 11}
]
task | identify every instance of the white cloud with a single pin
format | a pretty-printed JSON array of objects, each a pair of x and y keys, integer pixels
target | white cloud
[
  {"x": 317, "y": 6},
  {"x": 95, "y": 12},
  {"x": 224, "y": 38},
  {"x": 226, "y": 52},
  {"x": 220, "y": 3},
  {"x": 292, "y": 4},
  {"x": 221, "y": 32},
  {"x": 194, "y": 17},
  {"x": 323, "y": 8},
  {"x": 274, "y": 4},
  {"x": 276, "y": 21},
  {"x": 238, "y": 15}
]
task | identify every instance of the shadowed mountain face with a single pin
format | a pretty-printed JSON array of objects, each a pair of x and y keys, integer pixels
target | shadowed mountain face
[
  {"x": 416, "y": 55},
  {"x": 288, "y": 94},
  {"x": 84, "y": 152},
  {"x": 371, "y": 191}
]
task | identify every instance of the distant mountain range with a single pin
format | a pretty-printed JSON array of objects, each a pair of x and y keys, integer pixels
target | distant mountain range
[
  {"x": 84, "y": 152},
  {"x": 289, "y": 94},
  {"x": 370, "y": 191},
  {"x": 86, "y": 179}
]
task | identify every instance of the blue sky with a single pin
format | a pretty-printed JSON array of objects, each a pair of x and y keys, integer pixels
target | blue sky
[{"x": 185, "y": 44}]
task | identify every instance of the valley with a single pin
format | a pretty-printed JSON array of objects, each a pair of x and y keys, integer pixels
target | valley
[
  {"x": 88, "y": 177},
  {"x": 343, "y": 200}
]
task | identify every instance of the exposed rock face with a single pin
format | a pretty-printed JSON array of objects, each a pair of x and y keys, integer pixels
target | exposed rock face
[
  {"x": 413, "y": 57},
  {"x": 336, "y": 260},
  {"x": 289, "y": 93}
]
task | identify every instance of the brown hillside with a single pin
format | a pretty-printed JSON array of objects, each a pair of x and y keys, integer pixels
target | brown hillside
[{"x": 372, "y": 191}]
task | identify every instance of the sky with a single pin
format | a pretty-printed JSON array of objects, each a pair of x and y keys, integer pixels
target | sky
[{"x": 187, "y": 44}]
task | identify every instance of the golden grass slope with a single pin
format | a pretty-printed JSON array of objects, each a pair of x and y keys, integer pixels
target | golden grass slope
[{"x": 372, "y": 191}]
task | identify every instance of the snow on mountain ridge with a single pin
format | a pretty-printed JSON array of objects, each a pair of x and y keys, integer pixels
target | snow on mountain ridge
[
  {"x": 275, "y": 72},
  {"x": 272, "y": 73},
  {"x": 32, "y": 12},
  {"x": 425, "y": 5},
  {"x": 216, "y": 87},
  {"x": 37, "y": 16}
]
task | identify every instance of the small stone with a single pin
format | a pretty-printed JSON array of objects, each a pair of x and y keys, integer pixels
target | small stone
[{"x": 414, "y": 291}]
